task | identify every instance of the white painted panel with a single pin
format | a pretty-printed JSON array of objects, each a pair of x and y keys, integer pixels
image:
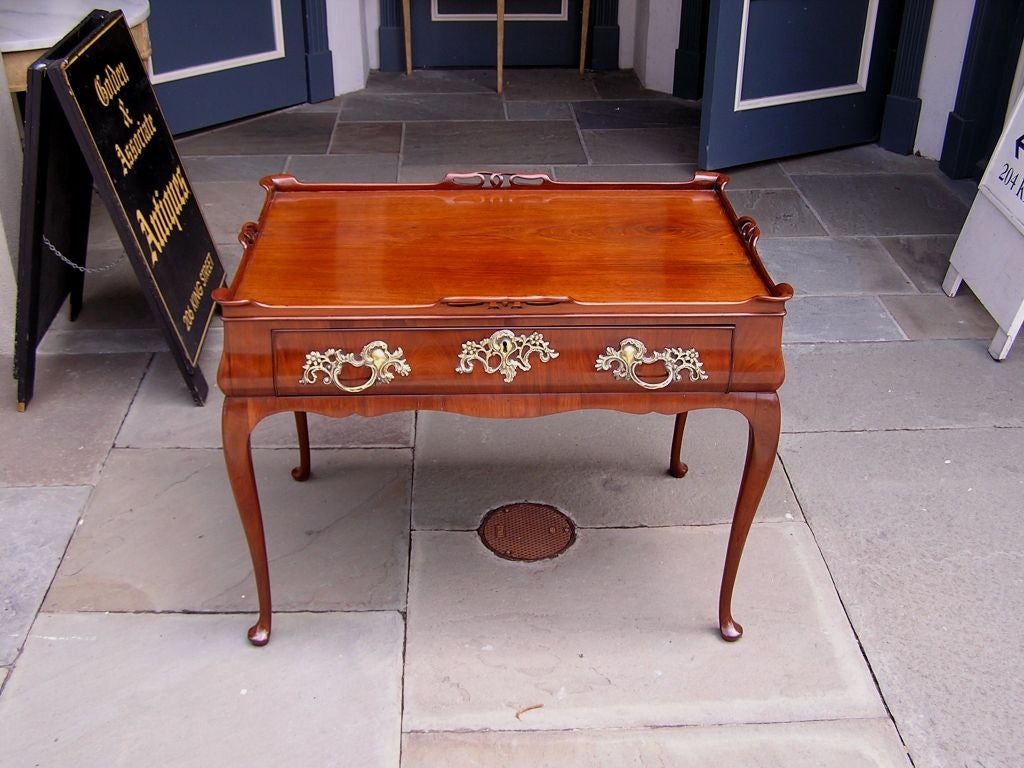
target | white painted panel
[
  {"x": 436, "y": 15},
  {"x": 277, "y": 52},
  {"x": 371, "y": 9},
  {"x": 657, "y": 37},
  {"x": 860, "y": 86},
  {"x": 940, "y": 75},
  {"x": 347, "y": 36},
  {"x": 627, "y": 32},
  {"x": 643, "y": 20},
  {"x": 662, "y": 41}
]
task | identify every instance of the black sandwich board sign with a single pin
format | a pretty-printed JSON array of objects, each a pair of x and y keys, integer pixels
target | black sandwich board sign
[{"x": 92, "y": 118}]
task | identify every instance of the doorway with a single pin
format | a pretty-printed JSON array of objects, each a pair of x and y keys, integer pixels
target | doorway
[
  {"x": 461, "y": 33},
  {"x": 986, "y": 82}
]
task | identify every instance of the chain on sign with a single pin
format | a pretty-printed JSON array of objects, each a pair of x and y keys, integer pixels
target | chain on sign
[{"x": 79, "y": 267}]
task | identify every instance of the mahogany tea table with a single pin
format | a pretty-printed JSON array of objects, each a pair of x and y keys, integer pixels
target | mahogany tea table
[{"x": 502, "y": 296}]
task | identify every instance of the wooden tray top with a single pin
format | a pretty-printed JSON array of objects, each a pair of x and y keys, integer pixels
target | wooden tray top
[{"x": 480, "y": 235}]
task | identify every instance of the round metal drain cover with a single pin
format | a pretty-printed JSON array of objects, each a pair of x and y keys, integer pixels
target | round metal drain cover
[{"x": 526, "y": 531}]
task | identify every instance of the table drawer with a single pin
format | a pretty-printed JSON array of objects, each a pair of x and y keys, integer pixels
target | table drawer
[{"x": 391, "y": 361}]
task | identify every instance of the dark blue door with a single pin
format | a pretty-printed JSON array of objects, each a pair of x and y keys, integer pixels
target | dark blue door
[
  {"x": 784, "y": 77},
  {"x": 461, "y": 33},
  {"x": 218, "y": 61}
]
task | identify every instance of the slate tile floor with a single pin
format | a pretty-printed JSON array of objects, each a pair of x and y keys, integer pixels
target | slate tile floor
[{"x": 882, "y": 587}]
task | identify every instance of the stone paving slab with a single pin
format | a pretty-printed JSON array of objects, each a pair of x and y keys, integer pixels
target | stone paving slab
[
  {"x": 37, "y": 524},
  {"x": 640, "y": 145},
  {"x": 900, "y": 385},
  {"x": 161, "y": 533},
  {"x": 344, "y": 169},
  {"x": 935, "y": 316},
  {"x": 363, "y": 106},
  {"x": 649, "y": 113},
  {"x": 831, "y": 744},
  {"x": 623, "y": 84},
  {"x": 163, "y": 416},
  {"x": 366, "y": 139},
  {"x": 68, "y": 428},
  {"x": 102, "y": 233},
  {"x": 924, "y": 258},
  {"x": 547, "y": 84},
  {"x": 882, "y": 203},
  {"x": 600, "y": 468},
  {"x": 538, "y": 110},
  {"x": 867, "y": 158},
  {"x": 665, "y": 172},
  {"x": 479, "y": 144},
  {"x": 833, "y": 266},
  {"x": 431, "y": 81},
  {"x": 279, "y": 133},
  {"x": 112, "y": 300},
  {"x": 621, "y": 632},
  {"x": 839, "y": 318},
  {"x": 778, "y": 212},
  {"x": 122, "y": 691},
  {"x": 227, "y": 205},
  {"x": 767, "y": 175},
  {"x": 102, "y": 341},
  {"x": 921, "y": 531},
  {"x": 247, "y": 168},
  {"x": 433, "y": 174}
]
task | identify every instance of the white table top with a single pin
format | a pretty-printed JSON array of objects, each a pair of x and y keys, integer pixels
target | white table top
[{"x": 27, "y": 26}]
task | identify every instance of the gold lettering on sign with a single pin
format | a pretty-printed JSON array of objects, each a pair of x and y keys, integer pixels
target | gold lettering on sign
[
  {"x": 115, "y": 78},
  {"x": 131, "y": 151},
  {"x": 165, "y": 216},
  {"x": 195, "y": 299},
  {"x": 128, "y": 122}
]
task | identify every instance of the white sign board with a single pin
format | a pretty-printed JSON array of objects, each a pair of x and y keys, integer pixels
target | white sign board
[
  {"x": 989, "y": 254},
  {"x": 1003, "y": 181}
]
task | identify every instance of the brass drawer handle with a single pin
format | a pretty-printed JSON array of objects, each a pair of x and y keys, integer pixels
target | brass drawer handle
[
  {"x": 513, "y": 353},
  {"x": 632, "y": 353},
  {"x": 375, "y": 355}
]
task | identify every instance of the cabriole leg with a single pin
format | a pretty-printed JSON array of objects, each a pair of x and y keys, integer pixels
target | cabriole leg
[
  {"x": 302, "y": 471},
  {"x": 237, "y": 425},
  {"x": 763, "y": 414},
  {"x": 676, "y": 467}
]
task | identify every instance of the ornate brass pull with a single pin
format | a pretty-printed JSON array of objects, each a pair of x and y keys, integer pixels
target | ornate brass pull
[
  {"x": 632, "y": 353},
  {"x": 513, "y": 353},
  {"x": 375, "y": 355}
]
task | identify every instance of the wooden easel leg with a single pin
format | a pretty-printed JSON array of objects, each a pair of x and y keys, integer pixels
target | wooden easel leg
[
  {"x": 501, "y": 46},
  {"x": 237, "y": 424},
  {"x": 764, "y": 416},
  {"x": 407, "y": 36},
  {"x": 676, "y": 467},
  {"x": 583, "y": 35},
  {"x": 302, "y": 471}
]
